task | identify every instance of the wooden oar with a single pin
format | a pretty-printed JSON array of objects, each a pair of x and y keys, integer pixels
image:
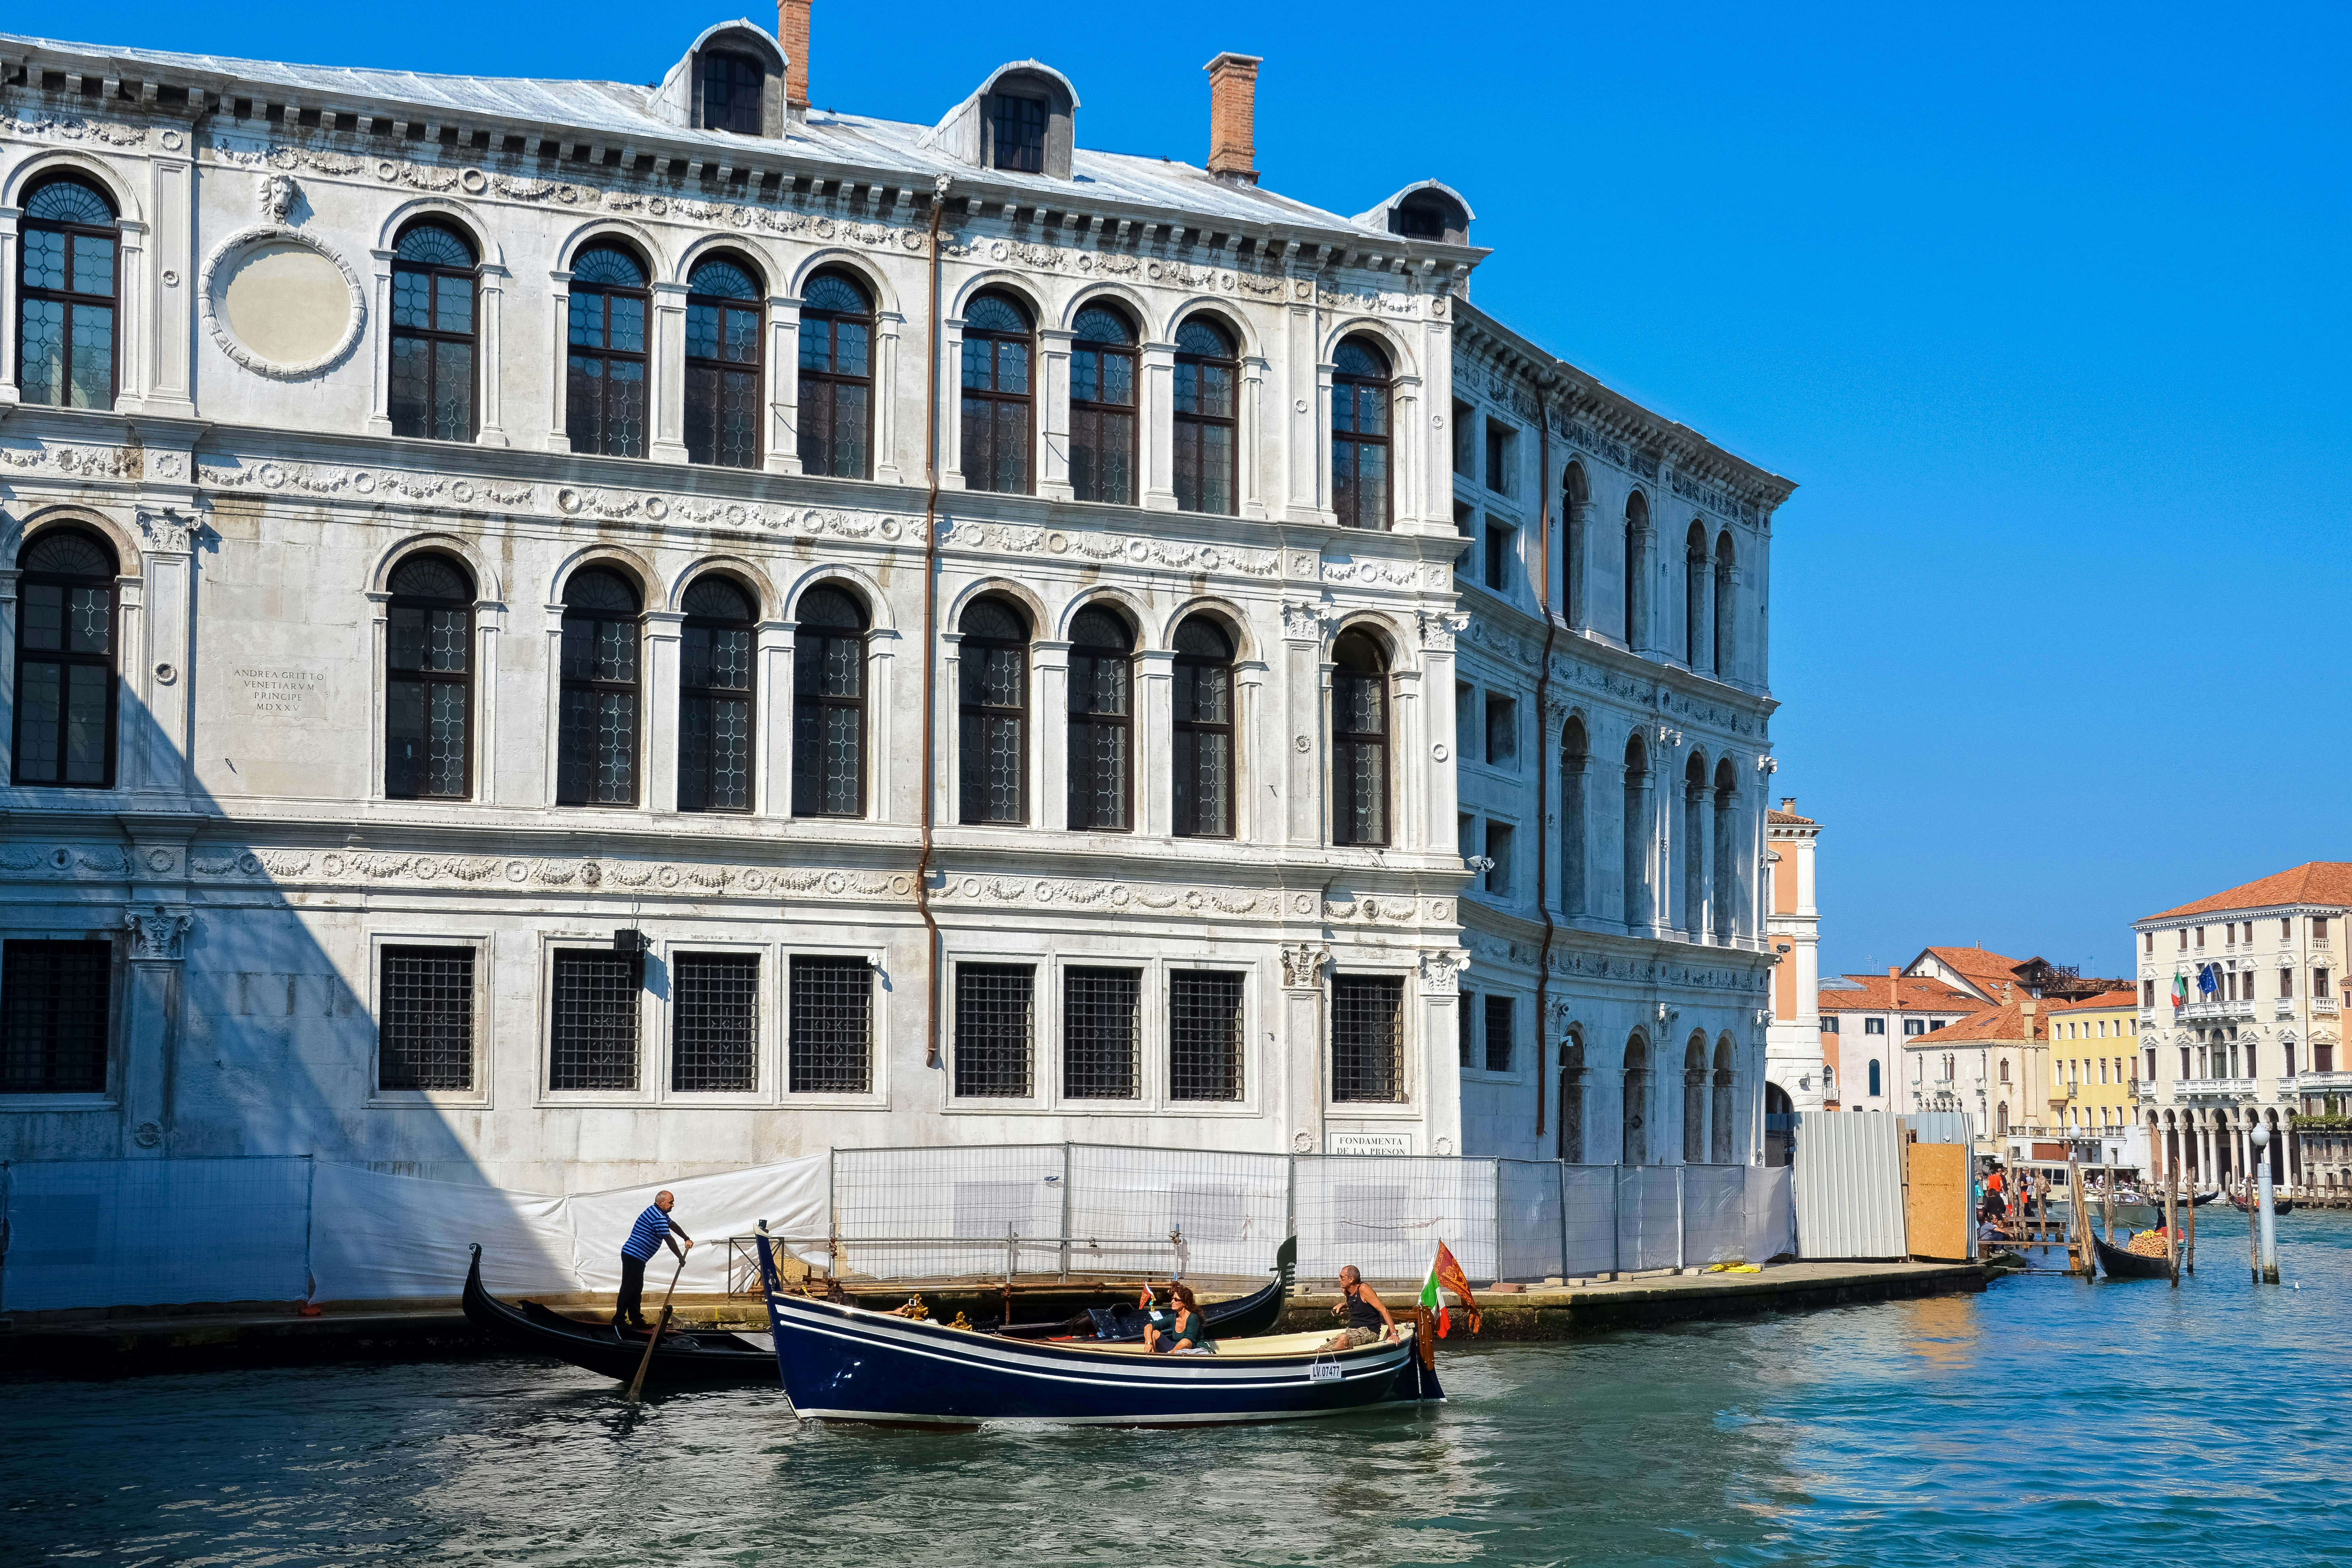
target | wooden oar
[{"x": 637, "y": 1383}]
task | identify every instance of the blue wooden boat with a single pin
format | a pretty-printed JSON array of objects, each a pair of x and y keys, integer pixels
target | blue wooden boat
[{"x": 840, "y": 1363}]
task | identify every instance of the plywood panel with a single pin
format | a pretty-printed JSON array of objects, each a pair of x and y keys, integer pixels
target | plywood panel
[{"x": 1936, "y": 1202}]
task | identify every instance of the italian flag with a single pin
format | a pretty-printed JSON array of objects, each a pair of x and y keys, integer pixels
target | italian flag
[{"x": 2180, "y": 991}]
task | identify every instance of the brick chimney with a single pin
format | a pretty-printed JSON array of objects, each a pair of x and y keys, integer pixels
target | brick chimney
[
  {"x": 1788, "y": 804},
  {"x": 792, "y": 32},
  {"x": 1233, "y": 115}
]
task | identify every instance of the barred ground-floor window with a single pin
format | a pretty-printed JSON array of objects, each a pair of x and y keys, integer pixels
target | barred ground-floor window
[
  {"x": 592, "y": 1034},
  {"x": 831, "y": 1023},
  {"x": 995, "y": 1031},
  {"x": 715, "y": 1023},
  {"x": 53, "y": 1015},
  {"x": 1204, "y": 1034},
  {"x": 1368, "y": 1037},
  {"x": 1102, "y": 1054},
  {"x": 425, "y": 1019}
]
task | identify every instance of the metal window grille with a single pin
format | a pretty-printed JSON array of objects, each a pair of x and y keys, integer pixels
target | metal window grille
[
  {"x": 424, "y": 1026},
  {"x": 594, "y": 1043},
  {"x": 995, "y": 1030},
  {"x": 52, "y": 1016},
  {"x": 1204, "y": 1036},
  {"x": 1367, "y": 1037},
  {"x": 715, "y": 1023},
  {"x": 1101, "y": 1028},
  {"x": 832, "y": 1050},
  {"x": 1498, "y": 1033}
]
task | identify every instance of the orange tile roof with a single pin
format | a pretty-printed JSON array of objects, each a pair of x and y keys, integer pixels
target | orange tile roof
[
  {"x": 2312, "y": 882},
  {"x": 1778, "y": 817},
  {"x": 2106, "y": 1001},
  {"x": 2002, "y": 1023},
  {"x": 1913, "y": 993},
  {"x": 1978, "y": 964}
]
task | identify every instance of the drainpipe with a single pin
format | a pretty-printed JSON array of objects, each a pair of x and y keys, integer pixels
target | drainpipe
[
  {"x": 1543, "y": 694},
  {"x": 930, "y": 636}
]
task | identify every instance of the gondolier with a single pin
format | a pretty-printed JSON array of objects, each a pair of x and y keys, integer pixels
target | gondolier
[{"x": 654, "y": 1229}]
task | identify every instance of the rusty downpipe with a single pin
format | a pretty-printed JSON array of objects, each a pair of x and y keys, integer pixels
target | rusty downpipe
[
  {"x": 930, "y": 634},
  {"x": 1543, "y": 710}
]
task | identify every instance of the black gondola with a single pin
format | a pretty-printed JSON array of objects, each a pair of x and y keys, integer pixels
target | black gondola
[
  {"x": 2280, "y": 1204},
  {"x": 2118, "y": 1263},
  {"x": 684, "y": 1355},
  {"x": 1119, "y": 1323}
]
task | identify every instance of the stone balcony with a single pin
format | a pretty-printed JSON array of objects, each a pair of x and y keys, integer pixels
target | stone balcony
[
  {"x": 2314, "y": 1083},
  {"x": 2213, "y": 1088},
  {"x": 2218, "y": 1012}
]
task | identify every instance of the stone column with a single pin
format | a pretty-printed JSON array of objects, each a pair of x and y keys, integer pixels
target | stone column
[
  {"x": 1049, "y": 735},
  {"x": 491, "y": 293},
  {"x": 950, "y": 410},
  {"x": 1049, "y": 390},
  {"x": 379, "y": 340},
  {"x": 1576, "y": 603},
  {"x": 156, "y": 942},
  {"x": 881, "y": 669},
  {"x": 947, "y": 776},
  {"x": 157, "y": 675},
  {"x": 1409, "y": 464},
  {"x": 11, "y": 394},
  {"x": 134, "y": 370},
  {"x": 1155, "y": 438},
  {"x": 1411, "y": 772},
  {"x": 1300, "y": 735},
  {"x": 1298, "y": 401},
  {"x": 782, "y": 446},
  {"x": 1150, "y": 732},
  {"x": 1303, "y": 1053},
  {"x": 169, "y": 375},
  {"x": 889, "y": 327},
  {"x": 1254, "y": 744},
  {"x": 773, "y": 657},
  {"x": 659, "y": 744},
  {"x": 1439, "y": 1082},
  {"x": 490, "y": 622},
  {"x": 1434, "y": 757},
  {"x": 1250, "y": 437},
  {"x": 666, "y": 369},
  {"x": 559, "y": 366}
]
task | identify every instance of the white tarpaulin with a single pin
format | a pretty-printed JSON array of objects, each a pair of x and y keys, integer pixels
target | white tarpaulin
[
  {"x": 376, "y": 1238},
  {"x": 791, "y": 1197}
]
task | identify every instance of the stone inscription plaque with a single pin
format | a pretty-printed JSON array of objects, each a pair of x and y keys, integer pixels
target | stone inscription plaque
[{"x": 279, "y": 690}]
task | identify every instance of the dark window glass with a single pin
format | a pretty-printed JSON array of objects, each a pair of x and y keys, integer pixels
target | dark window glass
[
  {"x": 995, "y": 1021},
  {"x": 1465, "y": 1028},
  {"x": 1499, "y": 1010},
  {"x": 1208, "y": 377},
  {"x": 594, "y": 1038},
  {"x": 997, "y": 352},
  {"x": 733, "y": 86},
  {"x": 725, "y": 387},
  {"x": 596, "y": 733},
  {"x": 831, "y": 1045},
  {"x": 54, "y": 1005},
  {"x": 65, "y": 313},
  {"x": 994, "y": 710},
  {"x": 1101, "y": 736},
  {"x": 606, "y": 374},
  {"x": 836, "y": 401},
  {"x": 1203, "y": 724},
  {"x": 433, "y": 334},
  {"x": 829, "y": 706},
  {"x": 429, "y": 681},
  {"x": 1498, "y": 458},
  {"x": 715, "y": 1023},
  {"x": 1204, "y": 1036},
  {"x": 1102, "y": 1029},
  {"x": 1367, "y": 1037},
  {"x": 1018, "y": 127},
  {"x": 1359, "y": 435},
  {"x": 1502, "y": 731},
  {"x": 715, "y": 698},
  {"x": 1102, "y": 408},
  {"x": 65, "y": 661},
  {"x": 1501, "y": 540},
  {"x": 1359, "y": 741},
  {"x": 1498, "y": 850},
  {"x": 425, "y": 1031}
]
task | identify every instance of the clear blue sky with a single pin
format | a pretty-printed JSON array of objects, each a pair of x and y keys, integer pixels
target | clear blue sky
[{"x": 2047, "y": 314}]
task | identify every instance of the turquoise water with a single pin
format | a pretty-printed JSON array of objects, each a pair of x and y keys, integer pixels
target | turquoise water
[{"x": 2046, "y": 1422}]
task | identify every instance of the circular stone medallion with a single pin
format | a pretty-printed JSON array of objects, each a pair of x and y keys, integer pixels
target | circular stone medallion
[{"x": 281, "y": 304}]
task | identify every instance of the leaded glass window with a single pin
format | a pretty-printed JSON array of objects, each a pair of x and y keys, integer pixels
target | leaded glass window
[
  {"x": 433, "y": 334},
  {"x": 998, "y": 348},
  {"x": 714, "y": 698},
  {"x": 66, "y": 296},
  {"x": 606, "y": 373},
  {"x": 1102, "y": 408},
  {"x": 1102, "y": 735},
  {"x": 429, "y": 680},
  {"x": 724, "y": 386},
  {"x": 1359, "y": 741},
  {"x": 596, "y": 732},
  {"x": 829, "y": 705},
  {"x": 837, "y": 401},
  {"x": 54, "y": 1013},
  {"x": 1207, "y": 422},
  {"x": 1359, "y": 435},
  {"x": 65, "y": 661},
  {"x": 994, "y": 712},
  {"x": 1202, "y": 703}
]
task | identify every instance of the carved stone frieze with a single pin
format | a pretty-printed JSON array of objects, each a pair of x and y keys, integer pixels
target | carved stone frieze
[
  {"x": 161, "y": 935},
  {"x": 1302, "y": 966},
  {"x": 82, "y": 462},
  {"x": 1367, "y": 301},
  {"x": 1441, "y": 972},
  {"x": 75, "y": 128}
]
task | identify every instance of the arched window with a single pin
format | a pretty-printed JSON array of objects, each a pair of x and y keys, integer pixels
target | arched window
[
  {"x": 1695, "y": 1098},
  {"x": 433, "y": 334},
  {"x": 1719, "y": 1123},
  {"x": 2004, "y": 1069},
  {"x": 829, "y": 705},
  {"x": 724, "y": 387},
  {"x": 65, "y": 661},
  {"x": 1359, "y": 434},
  {"x": 1634, "y": 1149},
  {"x": 596, "y": 728},
  {"x": 993, "y": 709},
  {"x": 1637, "y": 833},
  {"x": 837, "y": 378},
  {"x": 732, "y": 88},
  {"x": 1694, "y": 899},
  {"x": 1874, "y": 1078},
  {"x": 67, "y": 286},
  {"x": 997, "y": 352},
  {"x": 604, "y": 384},
  {"x": 1572, "y": 1098},
  {"x": 1637, "y": 572},
  {"x": 1208, "y": 375},
  {"x": 1359, "y": 741},
  {"x": 1102, "y": 408},
  {"x": 714, "y": 698},
  {"x": 1203, "y": 726},
  {"x": 1574, "y": 757},
  {"x": 428, "y": 753},
  {"x": 2000, "y": 1120},
  {"x": 1726, "y": 624},
  {"x": 1575, "y": 502},
  {"x": 1699, "y": 627},
  {"x": 1101, "y": 736},
  {"x": 1729, "y": 890}
]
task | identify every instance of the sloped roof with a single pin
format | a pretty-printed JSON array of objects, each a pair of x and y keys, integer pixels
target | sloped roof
[
  {"x": 2001, "y": 1022},
  {"x": 2106, "y": 1002},
  {"x": 2312, "y": 882},
  {"x": 1779, "y": 818},
  {"x": 1911, "y": 993},
  {"x": 1978, "y": 964}
]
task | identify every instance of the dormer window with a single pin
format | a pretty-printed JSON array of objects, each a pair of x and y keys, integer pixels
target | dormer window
[
  {"x": 1017, "y": 133},
  {"x": 732, "y": 88},
  {"x": 1420, "y": 221},
  {"x": 1428, "y": 210}
]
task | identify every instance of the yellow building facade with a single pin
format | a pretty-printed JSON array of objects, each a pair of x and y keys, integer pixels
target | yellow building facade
[{"x": 2093, "y": 1056}]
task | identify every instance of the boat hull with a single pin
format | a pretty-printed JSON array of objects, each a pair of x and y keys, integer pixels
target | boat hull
[
  {"x": 2116, "y": 1263},
  {"x": 693, "y": 1356}
]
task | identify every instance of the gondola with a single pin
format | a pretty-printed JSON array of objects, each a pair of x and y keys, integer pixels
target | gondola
[
  {"x": 2280, "y": 1204},
  {"x": 686, "y": 1356},
  {"x": 2116, "y": 1263},
  {"x": 840, "y": 1362},
  {"x": 1119, "y": 1323}
]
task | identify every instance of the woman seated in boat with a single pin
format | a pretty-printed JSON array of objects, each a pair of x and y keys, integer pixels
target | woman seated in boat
[{"x": 1188, "y": 1329}]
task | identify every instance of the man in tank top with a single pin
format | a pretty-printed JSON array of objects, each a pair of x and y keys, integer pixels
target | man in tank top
[{"x": 1367, "y": 1316}]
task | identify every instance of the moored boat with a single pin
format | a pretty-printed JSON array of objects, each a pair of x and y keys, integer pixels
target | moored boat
[
  {"x": 2121, "y": 1263},
  {"x": 1121, "y": 1323},
  {"x": 684, "y": 1355}
]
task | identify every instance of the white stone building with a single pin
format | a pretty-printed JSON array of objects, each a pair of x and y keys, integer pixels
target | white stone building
[{"x": 560, "y": 633}]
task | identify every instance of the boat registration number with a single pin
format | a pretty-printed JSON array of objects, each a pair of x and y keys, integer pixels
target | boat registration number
[{"x": 1323, "y": 1372}]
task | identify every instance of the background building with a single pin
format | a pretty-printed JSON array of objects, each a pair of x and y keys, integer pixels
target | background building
[
  {"x": 1867, "y": 1019},
  {"x": 1798, "y": 1061}
]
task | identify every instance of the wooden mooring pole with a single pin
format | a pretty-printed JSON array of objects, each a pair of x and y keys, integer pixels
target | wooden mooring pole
[{"x": 2172, "y": 1223}]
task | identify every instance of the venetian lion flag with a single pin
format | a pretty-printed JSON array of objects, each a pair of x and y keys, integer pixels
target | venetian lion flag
[{"x": 1444, "y": 1271}]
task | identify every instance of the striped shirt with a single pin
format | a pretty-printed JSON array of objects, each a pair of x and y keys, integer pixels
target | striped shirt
[{"x": 653, "y": 1229}]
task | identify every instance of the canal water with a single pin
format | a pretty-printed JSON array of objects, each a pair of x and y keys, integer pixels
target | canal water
[{"x": 2046, "y": 1422}]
